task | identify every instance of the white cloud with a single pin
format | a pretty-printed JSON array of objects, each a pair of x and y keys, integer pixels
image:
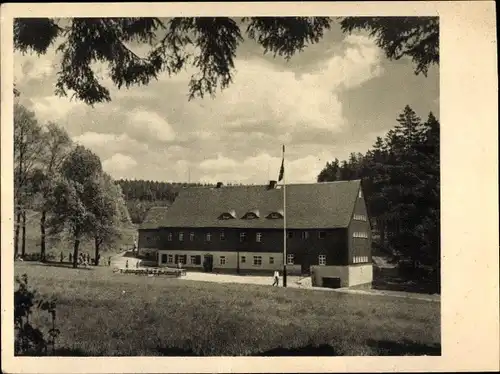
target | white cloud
[
  {"x": 54, "y": 108},
  {"x": 118, "y": 163},
  {"x": 111, "y": 142},
  {"x": 153, "y": 123}
]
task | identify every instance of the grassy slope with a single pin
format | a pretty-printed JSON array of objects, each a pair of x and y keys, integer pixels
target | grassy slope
[
  {"x": 56, "y": 245},
  {"x": 165, "y": 316}
]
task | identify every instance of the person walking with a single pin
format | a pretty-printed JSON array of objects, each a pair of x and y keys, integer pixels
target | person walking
[
  {"x": 70, "y": 258},
  {"x": 126, "y": 264},
  {"x": 109, "y": 261},
  {"x": 276, "y": 278},
  {"x": 62, "y": 257}
]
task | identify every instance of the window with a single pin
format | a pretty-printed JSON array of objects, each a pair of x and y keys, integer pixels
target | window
[
  {"x": 360, "y": 235},
  {"x": 275, "y": 215},
  {"x": 195, "y": 260},
  {"x": 305, "y": 235},
  {"x": 258, "y": 237},
  {"x": 243, "y": 259},
  {"x": 170, "y": 259},
  {"x": 271, "y": 260},
  {"x": 243, "y": 237},
  {"x": 169, "y": 237},
  {"x": 222, "y": 235},
  {"x": 360, "y": 194},
  {"x": 191, "y": 236},
  {"x": 222, "y": 260},
  {"x": 257, "y": 260},
  {"x": 359, "y": 217},
  {"x": 290, "y": 234},
  {"x": 163, "y": 259},
  {"x": 250, "y": 215},
  {"x": 322, "y": 259},
  {"x": 321, "y": 234},
  {"x": 289, "y": 259},
  {"x": 181, "y": 236},
  {"x": 208, "y": 237},
  {"x": 180, "y": 259}
]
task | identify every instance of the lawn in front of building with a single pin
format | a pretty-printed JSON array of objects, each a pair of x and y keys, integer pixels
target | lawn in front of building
[{"x": 101, "y": 313}]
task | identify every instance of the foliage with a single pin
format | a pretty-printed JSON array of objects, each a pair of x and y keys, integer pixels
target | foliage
[
  {"x": 206, "y": 44},
  {"x": 415, "y": 37},
  {"x": 401, "y": 183},
  {"x": 30, "y": 340},
  {"x": 136, "y": 316}
]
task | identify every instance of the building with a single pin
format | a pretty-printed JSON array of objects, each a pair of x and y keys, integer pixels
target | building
[{"x": 240, "y": 229}]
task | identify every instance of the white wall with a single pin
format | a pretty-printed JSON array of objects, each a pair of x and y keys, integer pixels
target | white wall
[
  {"x": 360, "y": 274},
  {"x": 231, "y": 259}
]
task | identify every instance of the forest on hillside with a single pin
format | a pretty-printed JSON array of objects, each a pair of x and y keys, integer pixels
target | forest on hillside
[{"x": 401, "y": 182}]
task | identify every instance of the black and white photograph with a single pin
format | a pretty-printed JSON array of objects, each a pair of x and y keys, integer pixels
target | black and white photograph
[{"x": 226, "y": 186}]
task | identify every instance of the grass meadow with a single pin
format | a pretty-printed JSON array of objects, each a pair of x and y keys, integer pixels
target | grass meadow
[{"x": 104, "y": 314}]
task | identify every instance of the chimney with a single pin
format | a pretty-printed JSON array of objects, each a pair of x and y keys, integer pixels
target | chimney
[
  {"x": 272, "y": 185},
  {"x": 219, "y": 185}
]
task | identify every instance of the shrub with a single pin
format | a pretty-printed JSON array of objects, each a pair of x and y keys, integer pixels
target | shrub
[{"x": 29, "y": 340}]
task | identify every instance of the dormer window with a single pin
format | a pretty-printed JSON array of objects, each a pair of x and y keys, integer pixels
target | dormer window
[
  {"x": 275, "y": 215},
  {"x": 231, "y": 214},
  {"x": 253, "y": 214}
]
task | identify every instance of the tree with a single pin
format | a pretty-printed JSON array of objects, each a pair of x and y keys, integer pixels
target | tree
[
  {"x": 207, "y": 44},
  {"x": 57, "y": 145},
  {"x": 75, "y": 198},
  {"x": 109, "y": 213},
  {"x": 414, "y": 37},
  {"x": 28, "y": 146}
]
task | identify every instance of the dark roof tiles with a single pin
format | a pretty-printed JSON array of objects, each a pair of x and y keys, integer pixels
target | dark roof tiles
[{"x": 317, "y": 205}]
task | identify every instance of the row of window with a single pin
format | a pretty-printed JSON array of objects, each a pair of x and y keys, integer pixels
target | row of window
[
  {"x": 360, "y": 259},
  {"x": 257, "y": 260},
  {"x": 250, "y": 215},
  {"x": 360, "y": 235},
  {"x": 359, "y": 217},
  {"x": 258, "y": 236},
  {"x": 243, "y": 236}
]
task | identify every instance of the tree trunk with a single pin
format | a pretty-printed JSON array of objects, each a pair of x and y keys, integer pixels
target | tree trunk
[
  {"x": 42, "y": 236},
  {"x": 75, "y": 252},
  {"x": 97, "y": 244},
  {"x": 23, "y": 244},
  {"x": 16, "y": 235}
]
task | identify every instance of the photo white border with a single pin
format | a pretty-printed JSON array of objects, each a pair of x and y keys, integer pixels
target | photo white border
[{"x": 469, "y": 190}]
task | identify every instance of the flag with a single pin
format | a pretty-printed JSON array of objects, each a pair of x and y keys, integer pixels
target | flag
[{"x": 282, "y": 169}]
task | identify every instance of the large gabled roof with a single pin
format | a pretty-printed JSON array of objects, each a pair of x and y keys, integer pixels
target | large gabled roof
[
  {"x": 153, "y": 218},
  {"x": 317, "y": 205}
]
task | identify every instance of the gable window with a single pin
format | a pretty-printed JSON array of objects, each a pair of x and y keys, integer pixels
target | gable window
[
  {"x": 289, "y": 259},
  {"x": 222, "y": 260},
  {"x": 191, "y": 236},
  {"x": 181, "y": 236},
  {"x": 222, "y": 235},
  {"x": 228, "y": 215},
  {"x": 305, "y": 235},
  {"x": 322, "y": 234},
  {"x": 243, "y": 259},
  {"x": 258, "y": 237},
  {"x": 243, "y": 237},
  {"x": 275, "y": 215},
  {"x": 322, "y": 259},
  {"x": 170, "y": 259},
  {"x": 251, "y": 215},
  {"x": 271, "y": 260},
  {"x": 208, "y": 237},
  {"x": 290, "y": 234},
  {"x": 257, "y": 260}
]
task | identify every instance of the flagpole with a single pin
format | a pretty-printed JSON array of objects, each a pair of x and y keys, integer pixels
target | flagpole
[{"x": 284, "y": 220}]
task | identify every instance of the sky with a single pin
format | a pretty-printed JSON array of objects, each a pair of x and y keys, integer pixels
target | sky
[{"x": 332, "y": 99}]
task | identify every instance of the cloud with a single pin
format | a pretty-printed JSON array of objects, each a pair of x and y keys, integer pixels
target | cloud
[
  {"x": 110, "y": 142},
  {"x": 153, "y": 123},
  {"x": 118, "y": 163}
]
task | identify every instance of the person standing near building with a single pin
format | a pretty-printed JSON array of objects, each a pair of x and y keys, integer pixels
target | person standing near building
[{"x": 276, "y": 278}]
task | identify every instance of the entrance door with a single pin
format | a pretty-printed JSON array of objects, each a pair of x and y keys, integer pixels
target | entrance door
[
  {"x": 208, "y": 263},
  {"x": 305, "y": 264}
]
